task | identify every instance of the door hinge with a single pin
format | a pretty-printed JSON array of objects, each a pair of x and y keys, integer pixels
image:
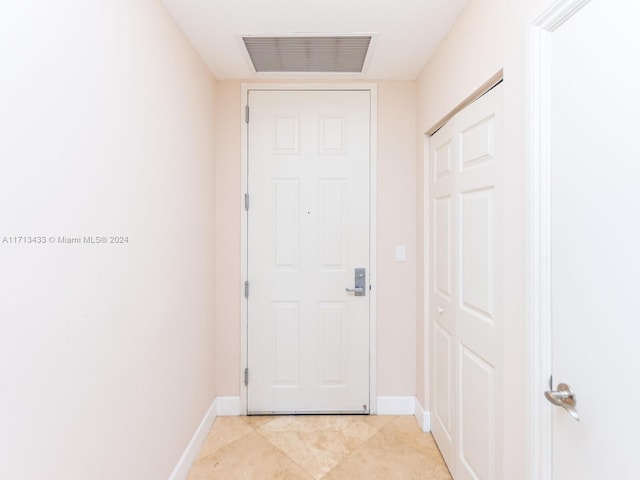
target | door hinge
[
  {"x": 246, "y": 202},
  {"x": 246, "y": 113},
  {"x": 246, "y": 289},
  {"x": 246, "y": 376}
]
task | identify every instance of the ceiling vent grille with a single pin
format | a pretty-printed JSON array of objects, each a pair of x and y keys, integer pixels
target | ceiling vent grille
[{"x": 322, "y": 54}]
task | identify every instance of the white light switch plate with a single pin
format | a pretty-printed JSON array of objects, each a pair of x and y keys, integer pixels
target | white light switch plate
[{"x": 401, "y": 253}]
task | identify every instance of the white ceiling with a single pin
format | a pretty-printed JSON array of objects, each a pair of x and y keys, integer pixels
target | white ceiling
[{"x": 407, "y": 32}]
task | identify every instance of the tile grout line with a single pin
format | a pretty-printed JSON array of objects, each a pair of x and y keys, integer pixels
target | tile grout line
[
  {"x": 360, "y": 446},
  {"x": 221, "y": 448},
  {"x": 280, "y": 450},
  {"x": 363, "y": 445},
  {"x": 377, "y": 431}
]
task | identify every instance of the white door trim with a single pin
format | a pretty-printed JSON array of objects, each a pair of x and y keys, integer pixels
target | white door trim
[
  {"x": 373, "y": 182},
  {"x": 539, "y": 235}
]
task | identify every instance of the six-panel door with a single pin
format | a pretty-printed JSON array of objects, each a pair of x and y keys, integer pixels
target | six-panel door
[
  {"x": 308, "y": 229},
  {"x": 466, "y": 265}
]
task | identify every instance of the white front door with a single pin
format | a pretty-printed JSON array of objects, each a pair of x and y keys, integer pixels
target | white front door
[
  {"x": 595, "y": 240},
  {"x": 308, "y": 232},
  {"x": 466, "y": 288}
]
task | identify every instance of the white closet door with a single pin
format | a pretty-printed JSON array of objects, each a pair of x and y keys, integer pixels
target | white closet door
[{"x": 466, "y": 294}]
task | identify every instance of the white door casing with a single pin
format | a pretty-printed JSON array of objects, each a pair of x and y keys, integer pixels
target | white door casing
[
  {"x": 465, "y": 300},
  {"x": 585, "y": 260},
  {"x": 308, "y": 229}
]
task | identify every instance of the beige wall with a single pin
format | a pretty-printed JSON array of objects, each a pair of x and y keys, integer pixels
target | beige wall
[
  {"x": 396, "y": 326},
  {"x": 396, "y": 226},
  {"x": 490, "y": 35},
  {"x": 228, "y": 210},
  {"x": 106, "y": 351}
]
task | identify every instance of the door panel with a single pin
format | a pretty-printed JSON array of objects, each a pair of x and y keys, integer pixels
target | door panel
[
  {"x": 333, "y": 346},
  {"x": 308, "y": 229},
  {"x": 595, "y": 233},
  {"x": 443, "y": 386},
  {"x": 476, "y": 416},
  {"x": 287, "y": 332},
  {"x": 442, "y": 239},
  {"x": 476, "y": 254},
  {"x": 287, "y": 227},
  {"x": 333, "y": 247},
  {"x": 466, "y": 156},
  {"x": 476, "y": 143}
]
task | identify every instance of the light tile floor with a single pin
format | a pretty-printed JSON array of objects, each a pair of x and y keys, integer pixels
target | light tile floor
[{"x": 318, "y": 447}]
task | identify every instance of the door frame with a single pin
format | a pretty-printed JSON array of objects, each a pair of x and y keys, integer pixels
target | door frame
[
  {"x": 539, "y": 232},
  {"x": 372, "y": 88}
]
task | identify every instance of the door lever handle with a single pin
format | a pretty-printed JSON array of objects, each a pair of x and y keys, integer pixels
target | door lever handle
[
  {"x": 360, "y": 281},
  {"x": 564, "y": 397}
]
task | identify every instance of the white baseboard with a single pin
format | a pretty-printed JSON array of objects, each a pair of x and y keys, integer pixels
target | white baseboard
[
  {"x": 190, "y": 453},
  {"x": 228, "y": 406},
  {"x": 396, "y": 405},
  {"x": 423, "y": 418}
]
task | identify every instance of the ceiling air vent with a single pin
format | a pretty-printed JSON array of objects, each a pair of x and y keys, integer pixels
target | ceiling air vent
[{"x": 322, "y": 54}]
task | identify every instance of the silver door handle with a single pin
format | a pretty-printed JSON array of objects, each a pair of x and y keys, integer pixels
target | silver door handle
[
  {"x": 360, "y": 281},
  {"x": 564, "y": 397}
]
